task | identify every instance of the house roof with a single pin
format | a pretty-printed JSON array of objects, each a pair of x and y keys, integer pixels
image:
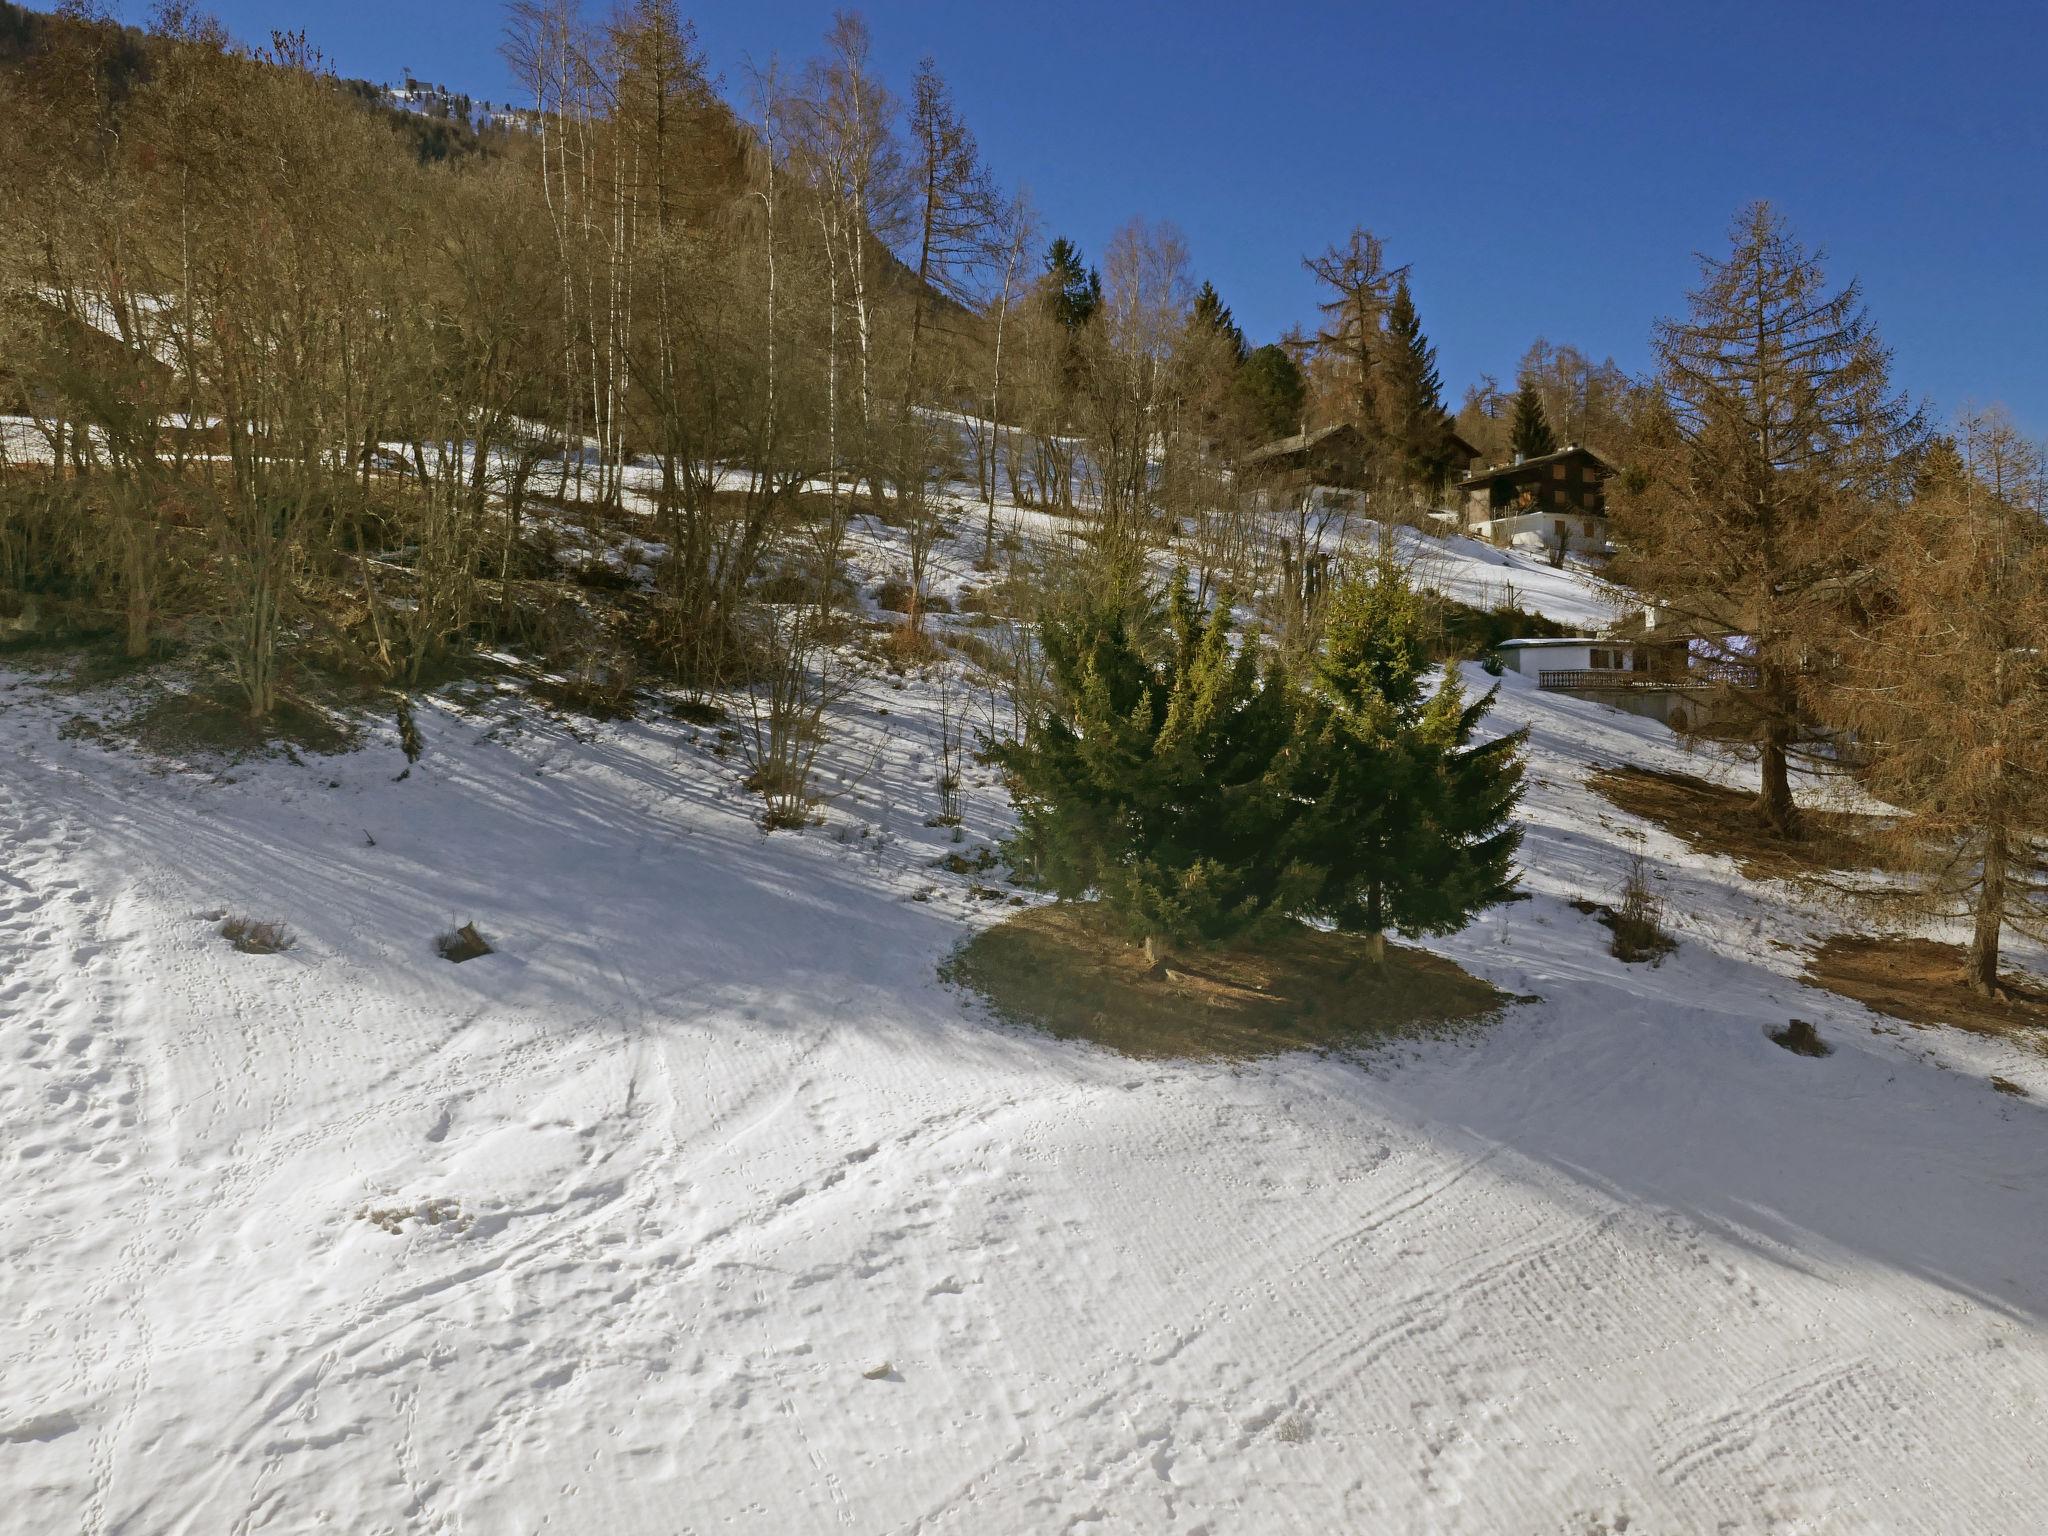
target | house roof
[
  {"x": 1465, "y": 449},
  {"x": 1286, "y": 447},
  {"x": 1569, "y": 451}
]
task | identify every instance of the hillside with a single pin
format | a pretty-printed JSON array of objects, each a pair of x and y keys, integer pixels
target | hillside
[{"x": 703, "y": 1203}]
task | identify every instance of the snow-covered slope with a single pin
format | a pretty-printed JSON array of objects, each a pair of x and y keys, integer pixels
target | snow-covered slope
[{"x": 704, "y": 1206}]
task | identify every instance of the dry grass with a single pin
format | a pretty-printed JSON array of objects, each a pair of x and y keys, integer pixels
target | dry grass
[
  {"x": 1057, "y": 968},
  {"x": 463, "y": 943},
  {"x": 253, "y": 936},
  {"x": 1921, "y": 982},
  {"x": 1711, "y": 818},
  {"x": 1636, "y": 921},
  {"x": 1801, "y": 1039}
]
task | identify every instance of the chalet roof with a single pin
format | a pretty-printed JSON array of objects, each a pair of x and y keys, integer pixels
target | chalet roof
[
  {"x": 1465, "y": 449},
  {"x": 1301, "y": 442},
  {"x": 1569, "y": 451}
]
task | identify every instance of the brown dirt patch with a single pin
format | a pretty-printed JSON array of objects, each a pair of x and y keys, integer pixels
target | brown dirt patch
[
  {"x": 1059, "y": 969},
  {"x": 1711, "y": 818},
  {"x": 1921, "y": 982}
]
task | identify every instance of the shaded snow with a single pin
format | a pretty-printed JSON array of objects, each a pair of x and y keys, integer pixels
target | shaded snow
[{"x": 706, "y": 1146}]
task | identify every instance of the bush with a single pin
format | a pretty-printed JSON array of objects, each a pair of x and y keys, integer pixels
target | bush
[
  {"x": 461, "y": 944},
  {"x": 253, "y": 937},
  {"x": 1638, "y": 921},
  {"x": 1801, "y": 1039}
]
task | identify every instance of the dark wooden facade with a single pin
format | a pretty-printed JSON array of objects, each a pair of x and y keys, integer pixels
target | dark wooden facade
[
  {"x": 1333, "y": 456},
  {"x": 1571, "y": 482}
]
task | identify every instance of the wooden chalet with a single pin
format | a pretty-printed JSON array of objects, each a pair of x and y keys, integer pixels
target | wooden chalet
[
  {"x": 1334, "y": 456},
  {"x": 1555, "y": 498}
]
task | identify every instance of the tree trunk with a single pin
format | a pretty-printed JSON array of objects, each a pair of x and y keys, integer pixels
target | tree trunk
[
  {"x": 1774, "y": 797},
  {"x": 135, "y": 644},
  {"x": 1983, "y": 965}
]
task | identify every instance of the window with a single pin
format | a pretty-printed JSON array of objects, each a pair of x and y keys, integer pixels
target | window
[
  {"x": 1557, "y": 471},
  {"x": 1602, "y": 660}
]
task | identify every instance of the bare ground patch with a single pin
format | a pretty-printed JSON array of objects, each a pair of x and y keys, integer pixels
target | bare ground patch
[
  {"x": 1057, "y": 968},
  {"x": 1714, "y": 819},
  {"x": 1921, "y": 982}
]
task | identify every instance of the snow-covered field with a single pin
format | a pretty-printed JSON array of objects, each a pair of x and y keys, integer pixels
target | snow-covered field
[{"x": 703, "y": 1205}]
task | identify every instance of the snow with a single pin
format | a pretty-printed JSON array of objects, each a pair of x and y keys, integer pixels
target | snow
[
  {"x": 716, "y": 1209},
  {"x": 1479, "y": 575},
  {"x": 723, "y": 1145}
]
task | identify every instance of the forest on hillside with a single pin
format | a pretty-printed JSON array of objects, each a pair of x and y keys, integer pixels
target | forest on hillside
[{"x": 314, "y": 400}]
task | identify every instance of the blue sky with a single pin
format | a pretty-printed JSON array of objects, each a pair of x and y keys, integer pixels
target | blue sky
[{"x": 1549, "y": 169}]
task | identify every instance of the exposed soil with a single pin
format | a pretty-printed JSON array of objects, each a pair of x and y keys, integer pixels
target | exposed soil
[
  {"x": 1921, "y": 982},
  {"x": 1711, "y": 818},
  {"x": 1059, "y": 969}
]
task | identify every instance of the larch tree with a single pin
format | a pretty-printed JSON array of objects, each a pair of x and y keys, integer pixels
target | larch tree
[
  {"x": 1360, "y": 288},
  {"x": 1773, "y": 439},
  {"x": 1944, "y": 684}
]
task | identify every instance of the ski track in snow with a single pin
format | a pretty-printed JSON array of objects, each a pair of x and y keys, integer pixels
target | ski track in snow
[{"x": 757, "y": 1226}]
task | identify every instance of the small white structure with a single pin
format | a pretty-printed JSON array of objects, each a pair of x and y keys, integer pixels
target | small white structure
[{"x": 1562, "y": 664}]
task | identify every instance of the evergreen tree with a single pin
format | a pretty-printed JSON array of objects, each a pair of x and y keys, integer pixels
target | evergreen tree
[
  {"x": 1413, "y": 423},
  {"x": 1076, "y": 286},
  {"x": 1274, "y": 392},
  {"x": 1412, "y": 823},
  {"x": 1530, "y": 436},
  {"x": 1152, "y": 778},
  {"x": 1212, "y": 314}
]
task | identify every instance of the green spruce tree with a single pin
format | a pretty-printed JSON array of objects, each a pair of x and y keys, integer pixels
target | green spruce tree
[
  {"x": 1530, "y": 435},
  {"x": 1273, "y": 392},
  {"x": 1153, "y": 778},
  {"x": 1076, "y": 286},
  {"x": 1413, "y": 423},
  {"x": 1211, "y": 314},
  {"x": 1411, "y": 821}
]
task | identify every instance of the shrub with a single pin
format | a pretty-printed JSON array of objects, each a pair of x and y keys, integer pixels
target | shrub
[
  {"x": 1801, "y": 1039},
  {"x": 461, "y": 944},
  {"x": 254, "y": 937},
  {"x": 1638, "y": 921}
]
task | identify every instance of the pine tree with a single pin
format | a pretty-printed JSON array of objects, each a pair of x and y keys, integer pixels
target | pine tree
[
  {"x": 1076, "y": 286},
  {"x": 1411, "y": 825},
  {"x": 1530, "y": 436},
  {"x": 1152, "y": 778},
  {"x": 1273, "y": 391},
  {"x": 1413, "y": 422},
  {"x": 1212, "y": 314}
]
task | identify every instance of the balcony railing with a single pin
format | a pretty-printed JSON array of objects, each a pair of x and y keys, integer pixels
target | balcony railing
[{"x": 1613, "y": 679}]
